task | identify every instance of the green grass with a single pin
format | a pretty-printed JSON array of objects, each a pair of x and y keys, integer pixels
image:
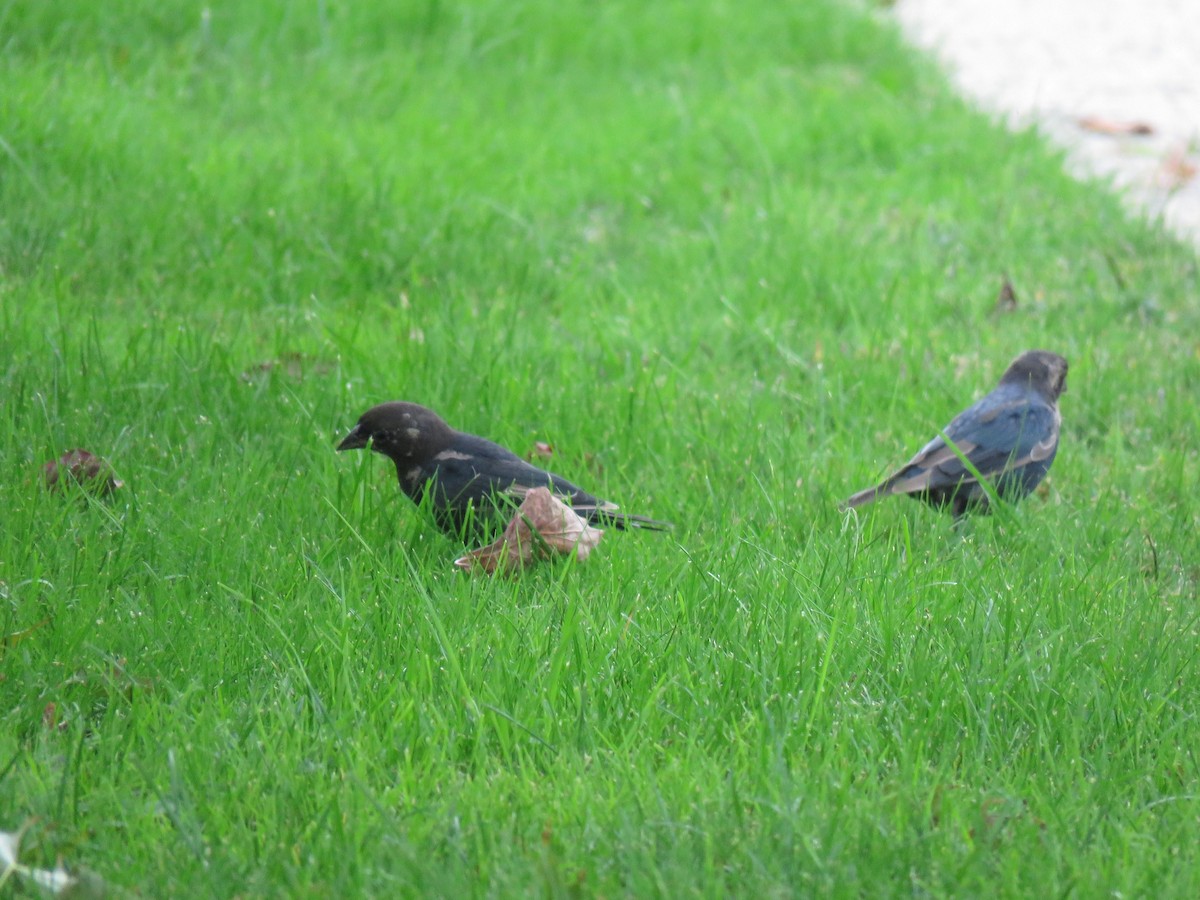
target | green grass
[{"x": 733, "y": 261}]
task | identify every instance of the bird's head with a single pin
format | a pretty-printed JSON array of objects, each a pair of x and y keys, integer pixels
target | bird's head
[
  {"x": 1041, "y": 370},
  {"x": 399, "y": 430}
]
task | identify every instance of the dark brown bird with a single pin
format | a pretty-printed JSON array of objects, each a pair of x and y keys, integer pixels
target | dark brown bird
[
  {"x": 1010, "y": 436},
  {"x": 471, "y": 483}
]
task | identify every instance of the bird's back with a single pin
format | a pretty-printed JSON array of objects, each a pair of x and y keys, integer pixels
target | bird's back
[
  {"x": 476, "y": 478},
  {"x": 1012, "y": 431}
]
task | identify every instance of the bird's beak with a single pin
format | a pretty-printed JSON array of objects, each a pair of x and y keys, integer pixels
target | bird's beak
[{"x": 355, "y": 440}]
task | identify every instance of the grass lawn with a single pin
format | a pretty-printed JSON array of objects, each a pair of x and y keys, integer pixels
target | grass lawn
[{"x": 733, "y": 261}]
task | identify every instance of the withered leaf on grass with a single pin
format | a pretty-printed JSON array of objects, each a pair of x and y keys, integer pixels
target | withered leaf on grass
[
  {"x": 292, "y": 364},
  {"x": 83, "y": 468},
  {"x": 1115, "y": 127},
  {"x": 1177, "y": 168},
  {"x": 542, "y": 527},
  {"x": 1006, "y": 301}
]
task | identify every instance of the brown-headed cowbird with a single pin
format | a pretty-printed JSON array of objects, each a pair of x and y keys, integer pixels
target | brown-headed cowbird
[
  {"x": 471, "y": 483},
  {"x": 1010, "y": 437}
]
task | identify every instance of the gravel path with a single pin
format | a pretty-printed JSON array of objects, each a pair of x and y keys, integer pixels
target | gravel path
[{"x": 1117, "y": 82}]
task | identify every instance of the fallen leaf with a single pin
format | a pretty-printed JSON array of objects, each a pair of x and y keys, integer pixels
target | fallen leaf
[
  {"x": 1115, "y": 127},
  {"x": 294, "y": 365},
  {"x": 1006, "y": 302},
  {"x": 83, "y": 468},
  {"x": 542, "y": 527},
  {"x": 1177, "y": 168}
]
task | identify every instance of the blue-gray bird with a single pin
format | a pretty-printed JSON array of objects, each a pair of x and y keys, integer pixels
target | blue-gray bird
[
  {"x": 1010, "y": 436},
  {"x": 471, "y": 483}
]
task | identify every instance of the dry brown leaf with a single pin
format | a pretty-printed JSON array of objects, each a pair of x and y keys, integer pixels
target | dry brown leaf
[
  {"x": 83, "y": 468},
  {"x": 292, "y": 364},
  {"x": 1114, "y": 127},
  {"x": 1177, "y": 168},
  {"x": 1006, "y": 302},
  {"x": 542, "y": 527}
]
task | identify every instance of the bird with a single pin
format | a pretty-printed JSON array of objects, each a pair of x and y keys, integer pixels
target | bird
[
  {"x": 469, "y": 481},
  {"x": 1010, "y": 436}
]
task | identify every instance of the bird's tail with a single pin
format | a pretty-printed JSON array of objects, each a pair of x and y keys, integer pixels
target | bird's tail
[
  {"x": 862, "y": 498},
  {"x": 621, "y": 521}
]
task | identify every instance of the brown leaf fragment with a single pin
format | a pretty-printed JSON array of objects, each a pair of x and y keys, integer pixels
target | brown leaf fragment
[
  {"x": 1006, "y": 301},
  {"x": 81, "y": 467},
  {"x": 542, "y": 527},
  {"x": 291, "y": 364},
  {"x": 1115, "y": 127},
  {"x": 1177, "y": 168}
]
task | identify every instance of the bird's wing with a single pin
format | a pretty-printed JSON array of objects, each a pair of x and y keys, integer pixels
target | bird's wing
[
  {"x": 995, "y": 434},
  {"x": 487, "y": 468},
  {"x": 483, "y": 467},
  {"x": 563, "y": 489},
  {"x": 525, "y": 479}
]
